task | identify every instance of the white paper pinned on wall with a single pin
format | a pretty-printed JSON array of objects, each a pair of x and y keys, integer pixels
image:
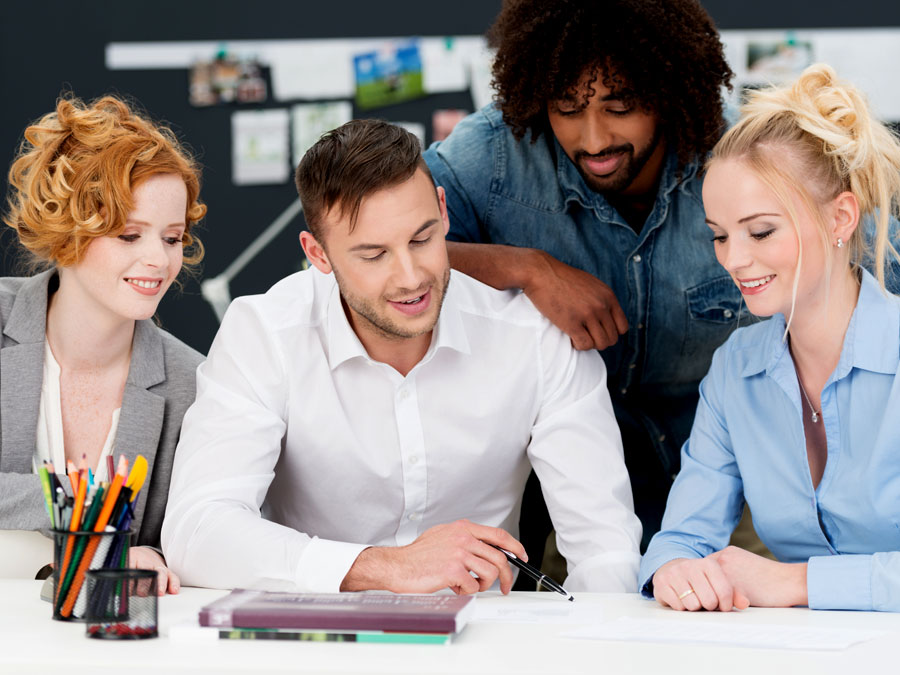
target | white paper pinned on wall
[
  {"x": 310, "y": 120},
  {"x": 443, "y": 65},
  {"x": 416, "y": 129},
  {"x": 259, "y": 147},
  {"x": 480, "y": 59},
  {"x": 312, "y": 69}
]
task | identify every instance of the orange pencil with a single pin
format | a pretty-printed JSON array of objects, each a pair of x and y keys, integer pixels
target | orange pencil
[
  {"x": 109, "y": 503},
  {"x": 73, "y": 476},
  {"x": 73, "y": 527}
]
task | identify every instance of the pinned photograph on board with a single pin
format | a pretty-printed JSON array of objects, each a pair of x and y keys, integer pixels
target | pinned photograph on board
[
  {"x": 226, "y": 79},
  {"x": 390, "y": 75},
  {"x": 443, "y": 121},
  {"x": 778, "y": 60},
  {"x": 310, "y": 120},
  {"x": 260, "y": 147}
]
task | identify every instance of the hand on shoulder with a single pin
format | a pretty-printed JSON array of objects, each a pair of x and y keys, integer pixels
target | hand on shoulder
[{"x": 578, "y": 303}]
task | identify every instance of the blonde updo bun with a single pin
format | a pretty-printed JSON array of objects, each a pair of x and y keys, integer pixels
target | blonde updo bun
[
  {"x": 824, "y": 127},
  {"x": 75, "y": 172}
]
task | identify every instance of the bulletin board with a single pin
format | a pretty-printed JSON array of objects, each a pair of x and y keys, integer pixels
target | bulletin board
[{"x": 148, "y": 53}]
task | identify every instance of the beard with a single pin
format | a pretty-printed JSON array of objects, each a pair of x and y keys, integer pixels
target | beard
[
  {"x": 378, "y": 319},
  {"x": 633, "y": 162}
]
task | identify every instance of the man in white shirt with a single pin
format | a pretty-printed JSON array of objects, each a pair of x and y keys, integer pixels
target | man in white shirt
[{"x": 370, "y": 423}]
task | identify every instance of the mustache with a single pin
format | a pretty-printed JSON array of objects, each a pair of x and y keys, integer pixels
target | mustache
[
  {"x": 416, "y": 292},
  {"x": 606, "y": 152}
]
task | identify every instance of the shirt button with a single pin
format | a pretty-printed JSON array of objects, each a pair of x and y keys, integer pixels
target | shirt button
[
  {"x": 631, "y": 366},
  {"x": 662, "y": 437},
  {"x": 623, "y": 391},
  {"x": 640, "y": 326},
  {"x": 403, "y": 394},
  {"x": 413, "y": 516},
  {"x": 413, "y": 459},
  {"x": 728, "y": 314},
  {"x": 637, "y": 258}
]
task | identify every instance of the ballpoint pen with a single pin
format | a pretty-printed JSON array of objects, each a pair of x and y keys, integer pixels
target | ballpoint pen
[{"x": 535, "y": 574}]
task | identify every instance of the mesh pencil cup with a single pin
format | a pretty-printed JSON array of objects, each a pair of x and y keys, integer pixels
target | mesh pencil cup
[
  {"x": 122, "y": 604},
  {"x": 74, "y": 553}
]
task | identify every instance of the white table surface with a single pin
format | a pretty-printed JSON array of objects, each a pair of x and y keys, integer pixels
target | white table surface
[{"x": 31, "y": 642}]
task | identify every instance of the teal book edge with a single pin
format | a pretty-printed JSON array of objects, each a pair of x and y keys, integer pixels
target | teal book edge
[
  {"x": 371, "y": 637},
  {"x": 191, "y": 632}
]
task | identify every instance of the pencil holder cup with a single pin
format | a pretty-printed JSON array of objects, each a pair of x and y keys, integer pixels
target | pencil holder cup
[
  {"x": 122, "y": 604},
  {"x": 74, "y": 554}
]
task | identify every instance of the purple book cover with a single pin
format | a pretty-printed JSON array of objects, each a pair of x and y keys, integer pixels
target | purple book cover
[{"x": 341, "y": 611}]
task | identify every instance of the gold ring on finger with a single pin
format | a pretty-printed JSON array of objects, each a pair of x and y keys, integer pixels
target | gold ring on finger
[{"x": 685, "y": 594}]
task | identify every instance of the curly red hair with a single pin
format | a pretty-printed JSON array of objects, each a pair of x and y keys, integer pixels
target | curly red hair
[{"x": 74, "y": 176}]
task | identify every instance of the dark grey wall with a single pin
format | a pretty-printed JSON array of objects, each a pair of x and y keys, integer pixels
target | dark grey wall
[{"x": 59, "y": 45}]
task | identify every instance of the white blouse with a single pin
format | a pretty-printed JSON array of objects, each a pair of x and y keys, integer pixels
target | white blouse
[
  {"x": 49, "y": 444},
  {"x": 33, "y": 550}
]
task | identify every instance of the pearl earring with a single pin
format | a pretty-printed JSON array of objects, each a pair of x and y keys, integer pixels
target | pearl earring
[{"x": 840, "y": 243}]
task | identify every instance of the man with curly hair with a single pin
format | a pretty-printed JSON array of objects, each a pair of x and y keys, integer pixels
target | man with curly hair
[{"x": 581, "y": 186}]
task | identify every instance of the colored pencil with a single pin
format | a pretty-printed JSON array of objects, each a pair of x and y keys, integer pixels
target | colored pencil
[{"x": 102, "y": 519}]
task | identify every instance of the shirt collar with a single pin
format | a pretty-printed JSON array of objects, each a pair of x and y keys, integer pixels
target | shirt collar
[
  {"x": 865, "y": 347},
  {"x": 873, "y": 336},
  {"x": 344, "y": 344}
]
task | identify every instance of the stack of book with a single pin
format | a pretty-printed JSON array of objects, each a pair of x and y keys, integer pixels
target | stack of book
[{"x": 333, "y": 617}]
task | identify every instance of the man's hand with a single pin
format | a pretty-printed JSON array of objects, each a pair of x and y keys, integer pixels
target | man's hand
[
  {"x": 578, "y": 303},
  {"x": 766, "y": 583},
  {"x": 445, "y": 556},
  {"x": 696, "y": 584},
  {"x": 146, "y": 558}
]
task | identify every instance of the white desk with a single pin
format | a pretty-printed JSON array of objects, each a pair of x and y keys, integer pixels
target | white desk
[{"x": 31, "y": 642}]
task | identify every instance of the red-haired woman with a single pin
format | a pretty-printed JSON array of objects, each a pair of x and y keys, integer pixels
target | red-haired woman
[{"x": 106, "y": 201}]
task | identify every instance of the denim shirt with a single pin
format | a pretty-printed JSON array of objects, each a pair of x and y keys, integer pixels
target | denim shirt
[
  {"x": 748, "y": 444},
  {"x": 679, "y": 302}
]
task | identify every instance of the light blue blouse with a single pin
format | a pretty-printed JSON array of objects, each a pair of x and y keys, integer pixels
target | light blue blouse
[{"x": 747, "y": 443}]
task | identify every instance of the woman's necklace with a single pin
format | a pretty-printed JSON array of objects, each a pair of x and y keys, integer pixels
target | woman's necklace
[{"x": 815, "y": 415}]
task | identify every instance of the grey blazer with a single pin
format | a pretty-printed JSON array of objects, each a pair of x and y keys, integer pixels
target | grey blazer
[{"x": 160, "y": 387}]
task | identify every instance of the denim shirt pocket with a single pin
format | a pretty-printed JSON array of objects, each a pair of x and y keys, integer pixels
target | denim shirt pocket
[{"x": 714, "y": 310}]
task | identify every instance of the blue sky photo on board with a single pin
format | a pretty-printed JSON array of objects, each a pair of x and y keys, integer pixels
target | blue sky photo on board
[{"x": 389, "y": 75}]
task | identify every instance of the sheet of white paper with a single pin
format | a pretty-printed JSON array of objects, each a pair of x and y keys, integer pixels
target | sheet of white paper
[
  {"x": 310, "y": 120},
  {"x": 259, "y": 147},
  {"x": 554, "y": 611},
  {"x": 443, "y": 65},
  {"x": 480, "y": 59},
  {"x": 312, "y": 69},
  {"x": 417, "y": 129},
  {"x": 729, "y": 634}
]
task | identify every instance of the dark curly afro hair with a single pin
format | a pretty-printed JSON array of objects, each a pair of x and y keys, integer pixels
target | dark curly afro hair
[{"x": 664, "y": 56}]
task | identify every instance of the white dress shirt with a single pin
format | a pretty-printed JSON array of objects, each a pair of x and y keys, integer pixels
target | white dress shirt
[{"x": 301, "y": 450}]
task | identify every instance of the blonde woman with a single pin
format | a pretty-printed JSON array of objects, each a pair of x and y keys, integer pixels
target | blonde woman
[
  {"x": 799, "y": 414},
  {"x": 106, "y": 201}
]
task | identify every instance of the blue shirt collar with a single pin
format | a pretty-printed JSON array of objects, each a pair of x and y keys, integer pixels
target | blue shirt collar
[
  {"x": 344, "y": 344},
  {"x": 864, "y": 346}
]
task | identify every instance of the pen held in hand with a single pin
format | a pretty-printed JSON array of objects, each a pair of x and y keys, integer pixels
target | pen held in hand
[{"x": 535, "y": 574}]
